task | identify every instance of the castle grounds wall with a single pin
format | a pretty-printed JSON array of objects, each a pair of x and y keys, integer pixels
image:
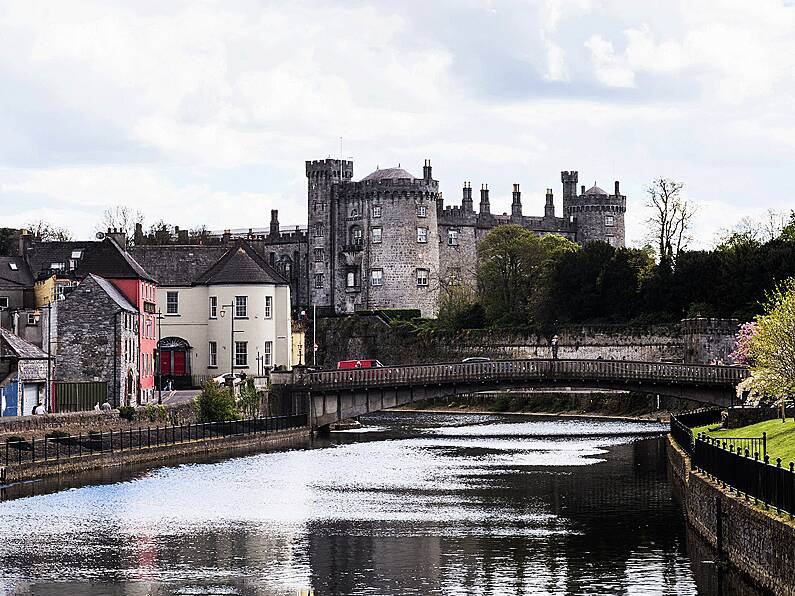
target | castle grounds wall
[{"x": 758, "y": 543}]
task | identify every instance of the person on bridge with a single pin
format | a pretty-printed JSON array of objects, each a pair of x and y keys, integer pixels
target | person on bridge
[{"x": 554, "y": 346}]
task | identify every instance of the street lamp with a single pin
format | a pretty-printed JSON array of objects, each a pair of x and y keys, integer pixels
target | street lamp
[
  {"x": 159, "y": 359},
  {"x": 232, "y": 341}
]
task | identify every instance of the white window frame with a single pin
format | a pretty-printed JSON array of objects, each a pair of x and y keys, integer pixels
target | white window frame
[
  {"x": 241, "y": 306},
  {"x": 377, "y": 234},
  {"x": 376, "y": 280},
  {"x": 212, "y": 354},
  {"x": 13, "y": 266},
  {"x": 33, "y": 319},
  {"x": 452, "y": 238},
  {"x": 423, "y": 278},
  {"x": 268, "y": 307},
  {"x": 267, "y": 354},
  {"x": 376, "y": 211},
  {"x": 170, "y": 303},
  {"x": 610, "y": 221},
  {"x": 213, "y": 307},
  {"x": 611, "y": 240},
  {"x": 422, "y": 235},
  {"x": 241, "y": 355},
  {"x": 422, "y": 211}
]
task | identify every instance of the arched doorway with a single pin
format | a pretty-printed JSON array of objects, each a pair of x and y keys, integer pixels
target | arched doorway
[
  {"x": 175, "y": 362},
  {"x": 130, "y": 392}
]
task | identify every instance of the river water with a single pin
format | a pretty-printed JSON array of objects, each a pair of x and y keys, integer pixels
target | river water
[{"x": 420, "y": 504}]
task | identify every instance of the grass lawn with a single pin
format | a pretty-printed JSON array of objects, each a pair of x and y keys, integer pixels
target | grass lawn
[{"x": 780, "y": 437}]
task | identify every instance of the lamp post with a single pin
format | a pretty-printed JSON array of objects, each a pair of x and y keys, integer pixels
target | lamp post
[
  {"x": 232, "y": 337},
  {"x": 159, "y": 360}
]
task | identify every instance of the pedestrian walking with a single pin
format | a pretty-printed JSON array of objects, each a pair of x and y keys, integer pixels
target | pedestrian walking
[{"x": 554, "y": 345}]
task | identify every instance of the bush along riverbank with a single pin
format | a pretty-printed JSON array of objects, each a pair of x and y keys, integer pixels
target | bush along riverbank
[{"x": 577, "y": 402}]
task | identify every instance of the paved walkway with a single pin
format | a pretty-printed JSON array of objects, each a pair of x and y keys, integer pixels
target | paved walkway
[{"x": 179, "y": 397}]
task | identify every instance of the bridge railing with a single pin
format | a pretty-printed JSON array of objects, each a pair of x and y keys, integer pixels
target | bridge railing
[{"x": 536, "y": 369}]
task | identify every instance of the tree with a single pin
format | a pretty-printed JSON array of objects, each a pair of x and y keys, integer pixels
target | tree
[
  {"x": 122, "y": 218},
  {"x": 669, "y": 224},
  {"x": 215, "y": 404},
  {"x": 772, "y": 349},
  {"x": 47, "y": 232},
  {"x": 459, "y": 308},
  {"x": 160, "y": 233}
]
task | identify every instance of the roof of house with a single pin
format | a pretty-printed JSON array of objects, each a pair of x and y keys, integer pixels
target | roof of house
[
  {"x": 105, "y": 258},
  {"x": 15, "y": 273},
  {"x": 177, "y": 265},
  {"x": 113, "y": 293},
  {"x": 22, "y": 348},
  {"x": 240, "y": 265},
  {"x": 388, "y": 174}
]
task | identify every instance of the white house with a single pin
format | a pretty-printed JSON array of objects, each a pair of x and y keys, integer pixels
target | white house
[{"x": 223, "y": 308}]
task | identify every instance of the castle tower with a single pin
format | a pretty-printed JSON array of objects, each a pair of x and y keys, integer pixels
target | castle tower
[
  {"x": 485, "y": 206},
  {"x": 516, "y": 205},
  {"x": 324, "y": 178},
  {"x": 549, "y": 207},
  {"x": 569, "y": 180},
  {"x": 598, "y": 216},
  {"x": 466, "y": 201}
]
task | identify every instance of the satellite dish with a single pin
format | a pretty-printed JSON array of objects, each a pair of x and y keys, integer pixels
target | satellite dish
[{"x": 100, "y": 235}]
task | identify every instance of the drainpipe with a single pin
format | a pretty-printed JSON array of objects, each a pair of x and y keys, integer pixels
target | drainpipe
[{"x": 116, "y": 393}]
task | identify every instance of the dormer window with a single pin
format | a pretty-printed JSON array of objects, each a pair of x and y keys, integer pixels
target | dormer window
[
  {"x": 13, "y": 266},
  {"x": 77, "y": 254},
  {"x": 56, "y": 266}
]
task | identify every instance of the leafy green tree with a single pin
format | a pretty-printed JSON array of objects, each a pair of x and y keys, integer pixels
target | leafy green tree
[
  {"x": 772, "y": 349},
  {"x": 215, "y": 404}
]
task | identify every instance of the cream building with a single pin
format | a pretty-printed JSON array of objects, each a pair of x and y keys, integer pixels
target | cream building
[{"x": 223, "y": 308}]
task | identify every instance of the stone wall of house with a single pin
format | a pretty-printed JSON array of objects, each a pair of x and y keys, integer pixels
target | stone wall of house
[{"x": 758, "y": 543}]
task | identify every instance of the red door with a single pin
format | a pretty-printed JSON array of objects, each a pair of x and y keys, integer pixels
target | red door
[
  {"x": 165, "y": 363},
  {"x": 179, "y": 364}
]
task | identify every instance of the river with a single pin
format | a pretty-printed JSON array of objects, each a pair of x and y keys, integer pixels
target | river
[{"x": 421, "y": 504}]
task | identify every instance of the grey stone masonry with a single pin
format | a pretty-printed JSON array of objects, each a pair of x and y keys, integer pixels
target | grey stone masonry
[{"x": 97, "y": 340}]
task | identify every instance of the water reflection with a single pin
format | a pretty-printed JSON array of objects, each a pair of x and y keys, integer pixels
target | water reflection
[{"x": 433, "y": 505}]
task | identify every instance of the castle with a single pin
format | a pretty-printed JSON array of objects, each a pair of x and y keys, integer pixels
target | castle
[{"x": 389, "y": 241}]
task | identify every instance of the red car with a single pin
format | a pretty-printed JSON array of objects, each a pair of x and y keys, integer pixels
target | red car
[{"x": 359, "y": 364}]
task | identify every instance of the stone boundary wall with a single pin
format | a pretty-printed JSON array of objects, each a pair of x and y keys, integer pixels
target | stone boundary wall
[
  {"x": 755, "y": 541},
  {"x": 154, "y": 454},
  {"x": 76, "y": 422}
]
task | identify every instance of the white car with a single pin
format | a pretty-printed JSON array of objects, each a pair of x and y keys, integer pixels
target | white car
[{"x": 222, "y": 379}]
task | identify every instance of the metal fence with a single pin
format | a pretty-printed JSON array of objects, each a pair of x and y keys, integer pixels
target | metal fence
[{"x": 57, "y": 448}]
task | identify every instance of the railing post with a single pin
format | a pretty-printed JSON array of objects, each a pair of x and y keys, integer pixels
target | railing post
[
  {"x": 764, "y": 443},
  {"x": 33, "y": 452}
]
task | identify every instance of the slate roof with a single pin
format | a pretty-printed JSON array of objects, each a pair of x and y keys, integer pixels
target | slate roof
[
  {"x": 240, "y": 265},
  {"x": 388, "y": 174},
  {"x": 114, "y": 294},
  {"x": 175, "y": 265},
  {"x": 19, "y": 278},
  {"x": 41, "y": 255},
  {"x": 24, "y": 350},
  {"x": 105, "y": 258},
  {"x": 595, "y": 190}
]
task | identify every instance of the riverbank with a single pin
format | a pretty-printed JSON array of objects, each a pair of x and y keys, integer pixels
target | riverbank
[
  {"x": 756, "y": 541},
  {"x": 650, "y": 417}
]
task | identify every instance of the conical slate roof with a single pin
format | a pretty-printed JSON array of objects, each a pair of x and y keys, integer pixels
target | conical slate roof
[{"x": 595, "y": 190}]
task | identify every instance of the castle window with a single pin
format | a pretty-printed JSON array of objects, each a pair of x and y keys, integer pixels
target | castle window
[
  {"x": 318, "y": 281},
  {"x": 356, "y": 236},
  {"x": 354, "y": 213},
  {"x": 377, "y": 277},
  {"x": 318, "y": 230},
  {"x": 452, "y": 238},
  {"x": 611, "y": 240},
  {"x": 609, "y": 220},
  {"x": 422, "y": 235},
  {"x": 422, "y": 211},
  {"x": 422, "y": 277},
  {"x": 352, "y": 278},
  {"x": 376, "y": 235},
  {"x": 318, "y": 252},
  {"x": 376, "y": 210}
]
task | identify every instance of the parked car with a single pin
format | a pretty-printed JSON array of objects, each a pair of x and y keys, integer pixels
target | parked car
[
  {"x": 477, "y": 359},
  {"x": 366, "y": 363},
  {"x": 237, "y": 378}
]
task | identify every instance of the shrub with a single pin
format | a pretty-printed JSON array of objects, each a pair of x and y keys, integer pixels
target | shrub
[
  {"x": 250, "y": 399},
  {"x": 215, "y": 404},
  {"x": 127, "y": 413}
]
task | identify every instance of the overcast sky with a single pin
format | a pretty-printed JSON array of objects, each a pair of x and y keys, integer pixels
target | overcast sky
[{"x": 203, "y": 112}]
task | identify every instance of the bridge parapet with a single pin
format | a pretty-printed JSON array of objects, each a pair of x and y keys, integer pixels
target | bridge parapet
[{"x": 531, "y": 370}]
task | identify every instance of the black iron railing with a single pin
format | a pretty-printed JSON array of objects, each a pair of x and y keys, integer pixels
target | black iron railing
[{"x": 56, "y": 448}]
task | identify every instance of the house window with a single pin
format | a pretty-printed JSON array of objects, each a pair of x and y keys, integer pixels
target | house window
[
  {"x": 422, "y": 277},
  {"x": 318, "y": 281},
  {"x": 452, "y": 238},
  {"x": 267, "y": 356},
  {"x": 268, "y": 307},
  {"x": 213, "y": 307},
  {"x": 77, "y": 254},
  {"x": 56, "y": 266},
  {"x": 377, "y": 277},
  {"x": 422, "y": 235},
  {"x": 241, "y": 353},
  {"x": 356, "y": 236},
  {"x": 376, "y": 210},
  {"x": 241, "y": 307},
  {"x": 212, "y": 354},
  {"x": 3, "y": 301},
  {"x": 33, "y": 319},
  {"x": 172, "y": 303},
  {"x": 376, "y": 235},
  {"x": 422, "y": 211},
  {"x": 318, "y": 252},
  {"x": 609, "y": 220},
  {"x": 150, "y": 328}
]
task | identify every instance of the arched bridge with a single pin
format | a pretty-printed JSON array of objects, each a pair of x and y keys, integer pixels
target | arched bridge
[{"x": 340, "y": 394}]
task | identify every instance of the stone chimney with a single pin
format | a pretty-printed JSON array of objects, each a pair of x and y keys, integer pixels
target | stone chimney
[
  {"x": 618, "y": 192},
  {"x": 274, "y": 223},
  {"x": 516, "y": 205},
  {"x": 427, "y": 171},
  {"x": 466, "y": 201},
  {"x": 119, "y": 236},
  {"x": 549, "y": 207},
  {"x": 485, "y": 207}
]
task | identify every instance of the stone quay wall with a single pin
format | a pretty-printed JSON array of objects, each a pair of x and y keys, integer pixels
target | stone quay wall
[
  {"x": 757, "y": 542},
  {"x": 150, "y": 455}
]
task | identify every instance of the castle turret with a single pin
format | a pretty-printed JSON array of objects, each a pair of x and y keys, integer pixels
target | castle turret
[
  {"x": 549, "y": 207},
  {"x": 274, "y": 223},
  {"x": 516, "y": 205},
  {"x": 466, "y": 201},
  {"x": 569, "y": 180},
  {"x": 485, "y": 207}
]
